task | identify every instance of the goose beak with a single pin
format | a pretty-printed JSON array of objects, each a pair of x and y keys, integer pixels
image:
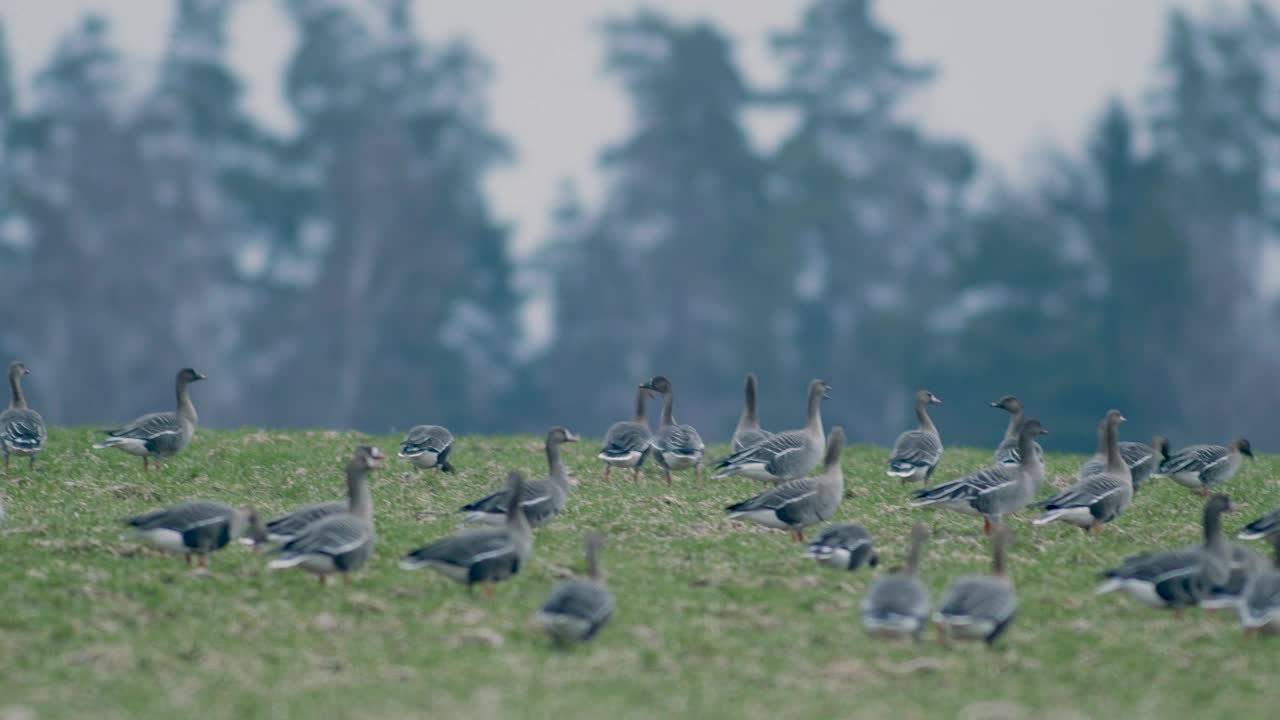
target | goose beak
[
  {"x": 375, "y": 459},
  {"x": 935, "y": 400},
  {"x": 570, "y": 437},
  {"x": 995, "y": 404},
  {"x": 25, "y": 371},
  {"x": 1246, "y": 451},
  {"x": 201, "y": 376}
]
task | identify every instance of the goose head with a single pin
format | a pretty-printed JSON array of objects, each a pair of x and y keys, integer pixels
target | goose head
[
  {"x": 819, "y": 388},
  {"x": 1033, "y": 429},
  {"x": 1009, "y": 404},
  {"x": 186, "y": 376},
  {"x": 368, "y": 457},
  {"x": 658, "y": 384},
  {"x": 17, "y": 369},
  {"x": 924, "y": 397},
  {"x": 1242, "y": 445}
]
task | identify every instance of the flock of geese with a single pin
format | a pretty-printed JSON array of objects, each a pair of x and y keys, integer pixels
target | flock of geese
[{"x": 338, "y": 537}]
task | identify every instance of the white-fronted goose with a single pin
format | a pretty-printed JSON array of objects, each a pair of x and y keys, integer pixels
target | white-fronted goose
[
  {"x": 428, "y": 446},
  {"x": 196, "y": 527},
  {"x": 162, "y": 434},
  {"x": 1177, "y": 579},
  {"x": 795, "y": 505},
  {"x": 916, "y": 453},
  {"x": 1264, "y": 526},
  {"x": 286, "y": 527},
  {"x": 628, "y": 442},
  {"x": 979, "y": 607},
  {"x": 1201, "y": 467},
  {"x": 845, "y": 546},
  {"x": 481, "y": 555},
  {"x": 1242, "y": 564},
  {"x": 341, "y": 542},
  {"x": 1142, "y": 459},
  {"x": 748, "y": 432},
  {"x": 22, "y": 430},
  {"x": 897, "y": 605},
  {"x": 577, "y": 608},
  {"x": 1096, "y": 499},
  {"x": 1007, "y": 451},
  {"x": 786, "y": 455},
  {"x": 993, "y": 491},
  {"x": 541, "y": 499},
  {"x": 676, "y": 447},
  {"x": 1259, "y": 609}
]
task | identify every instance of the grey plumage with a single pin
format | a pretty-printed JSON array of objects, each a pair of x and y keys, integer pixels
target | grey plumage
[
  {"x": 1007, "y": 452},
  {"x": 540, "y": 499},
  {"x": 748, "y": 432},
  {"x": 628, "y": 442},
  {"x": 916, "y": 453},
  {"x": 1264, "y": 526},
  {"x": 1141, "y": 458},
  {"x": 979, "y": 607},
  {"x": 195, "y": 527},
  {"x": 160, "y": 434},
  {"x": 428, "y": 446},
  {"x": 786, "y": 455},
  {"x": 846, "y": 546},
  {"x": 22, "y": 430},
  {"x": 286, "y": 527},
  {"x": 897, "y": 605},
  {"x": 1242, "y": 565},
  {"x": 797, "y": 504},
  {"x": 675, "y": 446},
  {"x": 578, "y": 608},
  {"x": 1200, "y": 467},
  {"x": 1259, "y": 605},
  {"x": 1098, "y": 498}
]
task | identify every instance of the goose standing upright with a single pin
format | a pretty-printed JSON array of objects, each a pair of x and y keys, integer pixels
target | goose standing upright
[
  {"x": 786, "y": 455},
  {"x": 993, "y": 491},
  {"x": 282, "y": 529},
  {"x": 916, "y": 453},
  {"x": 795, "y": 505},
  {"x": 627, "y": 443},
  {"x": 485, "y": 555},
  {"x": 1259, "y": 608},
  {"x": 748, "y": 432},
  {"x": 428, "y": 446},
  {"x": 677, "y": 447},
  {"x": 1095, "y": 499},
  {"x": 1177, "y": 579},
  {"x": 541, "y": 499},
  {"x": 341, "y": 542},
  {"x": 1200, "y": 467},
  {"x": 195, "y": 527},
  {"x": 1007, "y": 451},
  {"x": 22, "y": 430},
  {"x": 980, "y": 607},
  {"x": 577, "y": 608},
  {"x": 897, "y": 605},
  {"x": 162, "y": 434},
  {"x": 1142, "y": 459}
]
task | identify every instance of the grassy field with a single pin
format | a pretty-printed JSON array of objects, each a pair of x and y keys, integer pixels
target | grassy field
[{"x": 715, "y": 619}]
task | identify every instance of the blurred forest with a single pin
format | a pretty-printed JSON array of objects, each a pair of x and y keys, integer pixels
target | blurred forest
[{"x": 353, "y": 274}]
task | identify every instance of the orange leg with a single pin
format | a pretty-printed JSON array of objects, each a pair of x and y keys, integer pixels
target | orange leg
[
  {"x": 488, "y": 591},
  {"x": 146, "y": 465},
  {"x": 1097, "y": 528},
  {"x": 1204, "y": 492},
  {"x": 204, "y": 561},
  {"x": 697, "y": 472},
  {"x": 986, "y": 526},
  {"x": 1177, "y": 614},
  {"x": 797, "y": 535}
]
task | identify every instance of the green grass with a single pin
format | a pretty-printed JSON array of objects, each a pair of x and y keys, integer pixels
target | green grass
[{"x": 715, "y": 619}]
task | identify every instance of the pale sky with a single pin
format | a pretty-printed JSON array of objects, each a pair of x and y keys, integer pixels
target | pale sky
[{"x": 1015, "y": 76}]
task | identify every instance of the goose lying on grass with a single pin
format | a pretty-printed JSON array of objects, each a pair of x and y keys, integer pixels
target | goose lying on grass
[
  {"x": 577, "y": 608},
  {"x": 845, "y": 546},
  {"x": 428, "y": 446}
]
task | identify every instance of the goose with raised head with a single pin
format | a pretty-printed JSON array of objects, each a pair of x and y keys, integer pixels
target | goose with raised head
[
  {"x": 797, "y": 504},
  {"x": 481, "y": 556},
  {"x": 994, "y": 491},
  {"x": 786, "y": 455},
  {"x": 1142, "y": 459},
  {"x": 577, "y": 608},
  {"x": 628, "y": 442},
  {"x": 1007, "y": 452},
  {"x": 1201, "y": 467},
  {"x": 195, "y": 527},
  {"x": 844, "y": 546},
  {"x": 748, "y": 431},
  {"x": 1095, "y": 499},
  {"x": 897, "y": 605},
  {"x": 1177, "y": 579},
  {"x": 22, "y": 430},
  {"x": 428, "y": 446},
  {"x": 541, "y": 499},
  {"x": 341, "y": 542},
  {"x": 282, "y": 529},
  {"x": 161, "y": 434},
  {"x": 1259, "y": 607},
  {"x": 676, "y": 447},
  {"x": 980, "y": 607},
  {"x": 916, "y": 453}
]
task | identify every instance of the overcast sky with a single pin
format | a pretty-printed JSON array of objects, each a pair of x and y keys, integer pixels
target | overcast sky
[{"x": 1015, "y": 76}]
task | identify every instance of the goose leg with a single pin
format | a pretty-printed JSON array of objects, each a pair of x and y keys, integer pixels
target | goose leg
[
  {"x": 146, "y": 465},
  {"x": 986, "y": 526},
  {"x": 188, "y": 559},
  {"x": 324, "y": 580},
  {"x": 6, "y": 458},
  {"x": 204, "y": 561},
  {"x": 1177, "y": 614},
  {"x": 32, "y": 464},
  {"x": 346, "y": 581},
  {"x": 635, "y": 474},
  {"x": 488, "y": 591},
  {"x": 942, "y": 635},
  {"x": 697, "y": 472},
  {"x": 1204, "y": 491},
  {"x": 608, "y": 467},
  {"x": 668, "y": 472}
]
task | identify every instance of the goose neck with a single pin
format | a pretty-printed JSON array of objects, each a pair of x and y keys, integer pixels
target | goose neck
[
  {"x": 186, "y": 409},
  {"x": 17, "y": 399},
  {"x": 555, "y": 465},
  {"x": 922, "y": 416},
  {"x": 639, "y": 416},
  {"x": 917, "y": 552},
  {"x": 668, "y": 401},
  {"x": 1109, "y": 446},
  {"x": 359, "y": 498}
]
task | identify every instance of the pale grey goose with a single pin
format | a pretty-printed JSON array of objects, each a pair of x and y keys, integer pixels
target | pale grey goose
[
  {"x": 286, "y": 527},
  {"x": 22, "y": 430},
  {"x": 1142, "y": 459},
  {"x": 628, "y": 442},
  {"x": 1200, "y": 467},
  {"x": 1259, "y": 608},
  {"x": 845, "y": 546},
  {"x": 676, "y": 447},
  {"x": 916, "y": 453},
  {"x": 541, "y": 499},
  {"x": 1095, "y": 499},
  {"x": 897, "y": 605},
  {"x": 748, "y": 431},
  {"x": 786, "y": 455},
  {"x": 161, "y": 434},
  {"x": 980, "y": 607},
  {"x": 795, "y": 505},
  {"x": 577, "y": 608},
  {"x": 1007, "y": 450},
  {"x": 195, "y": 527},
  {"x": 428, "y": 446}
]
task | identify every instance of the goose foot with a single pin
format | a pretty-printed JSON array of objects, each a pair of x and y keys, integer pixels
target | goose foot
[
  {"x": 146, "y": 464},
  {"x": 204, "y": 561},
  {"x": 796, "y": 535},
  {"x": 488, "y": 592},
  {"x": 607, "y": 468},
  {"x": 635, "y": 475},
  {"x": 346, "y": 581},
  {"x": 1097, "y": 529},
  {"x": 324, "y": 580},
  {"x": 1204, "y": 492}
]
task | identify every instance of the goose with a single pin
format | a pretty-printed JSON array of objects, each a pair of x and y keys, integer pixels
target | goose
[
  {"x": 979, "y": 607},
  {"x": 1259, "y": 607},
  {"x": 22, "y": 430},
  {"x": 677, "y": 447},
  {"x": 627, "y": 443},
  {"x": 340, "y": 542},
  {"x": 993, "y": 491},
  {"x": 485, "y": 555},
  {"x": 428, "y": 446},
  {"x": 541, "y": 499},
  {"x": 1264, "y": 526},
  {"x": 1099, "y": 498},
  {"x": 162, "y": 434},
  {"x": 846, "y": 546},
  {"x": 577, "y": 608},
  {"x": 1200, "y": 467},
  {"x": 797, "y": 504},
  {"x": 748, "y": 432},
  {"x": 195, "y": 527},
  {"x": 786, "y": 455},
  {"x": 1242, "y": 565},
  {"x": 897, "y": 605},
  {"x": 1177, "y": 579},
  {"x": 916, "y": 453},
  {"x": 1007, "y": 450},
  {"x": 1142, "y": 459},
  {"x": 282, "y": 529}
]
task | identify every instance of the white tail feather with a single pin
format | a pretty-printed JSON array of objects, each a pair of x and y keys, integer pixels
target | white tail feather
[{"x": 283, "y": 563}]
